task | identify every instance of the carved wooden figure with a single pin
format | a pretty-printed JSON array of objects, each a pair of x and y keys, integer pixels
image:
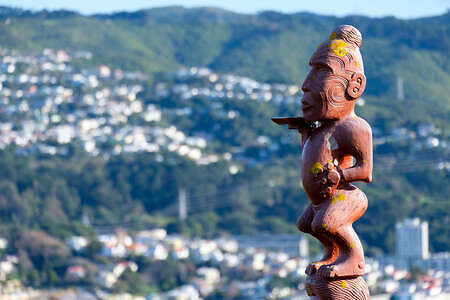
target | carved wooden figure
[{"x": 337, "y": 150}]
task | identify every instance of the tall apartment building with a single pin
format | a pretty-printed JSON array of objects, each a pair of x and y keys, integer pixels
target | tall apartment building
[{"x": 412, "y": 239}]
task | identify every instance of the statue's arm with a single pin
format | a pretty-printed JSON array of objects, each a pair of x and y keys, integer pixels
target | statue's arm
[{"x": 358, "y": 143}]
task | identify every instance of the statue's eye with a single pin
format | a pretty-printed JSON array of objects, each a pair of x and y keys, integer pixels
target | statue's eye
[{"x": 322, "y": 68}]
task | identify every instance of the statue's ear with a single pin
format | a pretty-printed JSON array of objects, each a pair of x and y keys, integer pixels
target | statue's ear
[{"x": 357, "y": 85}]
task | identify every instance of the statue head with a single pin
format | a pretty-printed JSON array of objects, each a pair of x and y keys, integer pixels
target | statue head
[{"x": 336, "y": 79}]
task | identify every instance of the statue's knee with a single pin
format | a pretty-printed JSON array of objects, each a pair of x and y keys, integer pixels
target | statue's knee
[{"x": 303, "y": 225}]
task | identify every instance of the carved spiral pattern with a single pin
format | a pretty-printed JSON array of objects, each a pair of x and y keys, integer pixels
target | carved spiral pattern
[
  {"x": 349, "y": 34},
  {"x": 333, "y": 93},
  {"x": 340, "y": 289}
]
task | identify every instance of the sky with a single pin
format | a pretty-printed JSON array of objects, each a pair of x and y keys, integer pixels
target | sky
[{"x": 404, "y": 9}]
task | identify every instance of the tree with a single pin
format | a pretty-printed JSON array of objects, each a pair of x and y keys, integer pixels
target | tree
[{"x": 43, "y": 249}]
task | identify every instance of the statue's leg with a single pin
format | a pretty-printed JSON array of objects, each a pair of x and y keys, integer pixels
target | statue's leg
[
  {"x": 304, "y": 223},
  {"x": 335, "y": 221}
]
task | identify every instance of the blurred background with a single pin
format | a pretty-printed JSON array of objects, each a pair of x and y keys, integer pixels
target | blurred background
[{"x": 139, "y": 160}]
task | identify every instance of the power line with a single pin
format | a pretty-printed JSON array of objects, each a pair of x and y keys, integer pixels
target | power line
[{"x": 217, "y": 199}]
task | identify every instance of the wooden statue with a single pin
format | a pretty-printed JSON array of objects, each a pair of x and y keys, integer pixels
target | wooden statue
[{"x": 337, "y": 150}]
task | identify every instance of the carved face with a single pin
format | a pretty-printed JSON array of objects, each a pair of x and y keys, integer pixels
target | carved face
[{"x": 332, "y": 86}]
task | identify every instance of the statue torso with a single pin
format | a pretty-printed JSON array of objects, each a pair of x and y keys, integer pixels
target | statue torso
[
  {"x": 325, "y": 146},
  {"x": 316, "y": 154}
]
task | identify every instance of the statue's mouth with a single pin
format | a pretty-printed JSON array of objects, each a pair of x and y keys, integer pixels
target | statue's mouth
[
  {"x": 305, "y": 104},
  {"x": 306, "y": 107}
]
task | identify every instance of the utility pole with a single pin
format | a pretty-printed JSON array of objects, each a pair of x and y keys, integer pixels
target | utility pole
[
  {"x": 85, "y": 220},
  {"x": 182, "y": 204},
  {"x": 400, "y": 91}
]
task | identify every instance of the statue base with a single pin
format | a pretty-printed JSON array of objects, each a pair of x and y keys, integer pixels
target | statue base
[{"x": 350, "y": 288}]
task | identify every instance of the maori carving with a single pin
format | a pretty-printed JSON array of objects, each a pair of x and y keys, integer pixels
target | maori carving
[{"x": 337, "y": 150}]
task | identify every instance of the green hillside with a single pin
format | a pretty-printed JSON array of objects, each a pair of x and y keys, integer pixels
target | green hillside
[{"x": 270, "y": 46}]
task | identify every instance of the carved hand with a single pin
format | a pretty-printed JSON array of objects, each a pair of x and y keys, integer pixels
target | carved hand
[{"x": 330, "y": 179}]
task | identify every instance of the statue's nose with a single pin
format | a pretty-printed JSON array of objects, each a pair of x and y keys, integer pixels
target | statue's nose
[{"x": 305, "y": 86}]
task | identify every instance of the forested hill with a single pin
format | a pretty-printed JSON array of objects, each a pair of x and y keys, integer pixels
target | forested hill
[
  {"x": 269, "y": 46},
  {"x": 254, "y": 184}
]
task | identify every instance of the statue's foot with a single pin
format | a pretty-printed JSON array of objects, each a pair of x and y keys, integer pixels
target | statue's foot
[{"x": 344, "y": 269}]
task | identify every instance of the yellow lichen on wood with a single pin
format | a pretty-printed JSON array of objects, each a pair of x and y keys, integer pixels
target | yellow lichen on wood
[
  {"x": 316, "y": 168},
  {"x": 338, "y": 47}
]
